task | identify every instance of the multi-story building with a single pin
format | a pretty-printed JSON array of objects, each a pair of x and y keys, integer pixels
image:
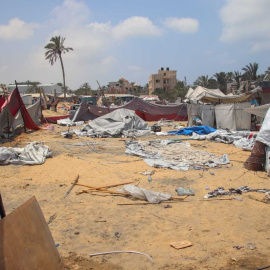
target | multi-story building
[{"x": 165, "y": 79}]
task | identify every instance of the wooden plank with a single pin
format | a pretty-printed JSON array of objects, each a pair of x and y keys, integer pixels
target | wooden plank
[{"x": 26, "y": 241}]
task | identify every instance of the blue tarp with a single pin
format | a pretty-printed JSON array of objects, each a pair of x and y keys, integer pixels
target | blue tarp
[{"x": 201, "y": 130}]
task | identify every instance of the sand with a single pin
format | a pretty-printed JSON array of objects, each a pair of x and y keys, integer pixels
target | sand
[{"x": 88, "y": 223}]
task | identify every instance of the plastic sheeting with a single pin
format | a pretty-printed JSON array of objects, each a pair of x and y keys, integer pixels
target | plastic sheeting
[
  {"x": 258, "y": 110},
  {"x": 233, "y": 116},
  {"x": 175, "y": 155},
  {"x": 35, "y": 153},
  {"x": 201, "y": 130},
  {"x": 203, "y": 111},
  {"x": 117, "y": 123},
  {"x": 145, "y": 194},
  {"x": 264, "y": 133}
]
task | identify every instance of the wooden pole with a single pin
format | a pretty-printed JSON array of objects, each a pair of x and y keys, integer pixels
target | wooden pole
[{"x": 20, "y": 108}]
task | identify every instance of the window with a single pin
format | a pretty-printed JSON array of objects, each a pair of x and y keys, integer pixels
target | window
[
  {"x": 157, "y": 81},
  {"x": 164, "y": 74}
]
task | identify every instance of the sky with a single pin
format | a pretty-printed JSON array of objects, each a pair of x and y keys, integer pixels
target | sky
[{"x": 132, "y": 39}]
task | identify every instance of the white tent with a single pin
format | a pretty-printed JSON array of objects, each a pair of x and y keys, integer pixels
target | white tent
[
  {"x": 259, "y": 110},
  {"x": 189, "y": 92}
]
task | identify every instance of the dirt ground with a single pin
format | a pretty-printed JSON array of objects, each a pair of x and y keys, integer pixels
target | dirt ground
[{"x": 93, "y": 223}]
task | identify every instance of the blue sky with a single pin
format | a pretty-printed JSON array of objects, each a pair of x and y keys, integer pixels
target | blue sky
[{"x": 132, "y": 39}]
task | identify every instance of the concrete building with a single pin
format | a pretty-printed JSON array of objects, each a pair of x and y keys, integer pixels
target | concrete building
[
  {"x": 121, "y": 87},
  {"x": 165, "y": 79}
]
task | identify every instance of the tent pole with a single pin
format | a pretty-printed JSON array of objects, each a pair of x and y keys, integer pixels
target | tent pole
[{"x": 8, "y": 126}]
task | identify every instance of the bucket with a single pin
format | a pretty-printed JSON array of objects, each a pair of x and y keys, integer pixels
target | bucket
[{"x": 258, "y": 127}]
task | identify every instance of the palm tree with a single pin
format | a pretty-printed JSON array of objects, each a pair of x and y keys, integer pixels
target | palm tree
[
  {"x": 221, "y": 81},
  {"x": 87, "y": 88},
  {"x": 55, "y": 49},
  {"x": 251, "y": 71},
  {"x": 206, "y": 82}
]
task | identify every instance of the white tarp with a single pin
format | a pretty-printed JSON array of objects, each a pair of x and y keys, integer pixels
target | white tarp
[
  {"x": 258, "y": 110},
  {"x": 117, "y": 123},
  {"x": 215, "y": 95},
  {"x": 6, "y": 119},
  {"x": 205, "y": 112},
  {"x": 35, "y": 153},
  {"x": 189, "y": 92},
  {"x": 233, "y": 116},
  {"x": 264, "y": 133}
]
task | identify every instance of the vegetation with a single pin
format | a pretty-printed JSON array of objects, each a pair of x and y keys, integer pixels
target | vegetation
[
  {"x": 55, "y": 49},
  {"x": 85, "y": 89}
]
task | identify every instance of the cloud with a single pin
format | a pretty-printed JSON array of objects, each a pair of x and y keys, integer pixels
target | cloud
[
  {"x": 17, "y": 29},
  {"x": 136, "y": 27},
  {"x": 134, "y": 68},
  {"x": 246, "y": 21},
  {"x": 182, "y": 25}
]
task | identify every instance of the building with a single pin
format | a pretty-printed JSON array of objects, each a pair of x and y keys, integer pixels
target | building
[
  {"x": 121, "y": 87},
  {"x": 27, "y": 88},
  {"x": 165, "y": 79}
]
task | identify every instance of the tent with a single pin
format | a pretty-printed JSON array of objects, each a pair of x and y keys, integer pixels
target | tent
[
  {"x": 117, "y": 123},
  {"x": 146, "y": 110},
  {"x": 216, "y": 96},
  {"x": 12, "y": 106},
  {"x": 258, "y": 110},
  {"x": 233, "y": 116},
  {"x": 189, "y": 92}
]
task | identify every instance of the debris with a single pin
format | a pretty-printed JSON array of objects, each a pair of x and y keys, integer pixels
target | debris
[
  {"x": 121, "y": 251},
  {"x": 29, "y": 179},
  {"x": 185, "y": 192},
  {"x": 212, "y": 173},
  {"x": 267, "y": 196},
  {"x": 239, "y": 190},
  {"x": 207, "y": 188},
  {"x": 117, "y": 234},
  {"x": 149, "y": 178},
  {"x": 238, "y": 247},
  {"x": 57, "y": 245},
  {"x": 167, "y": 206},
  {"x": 76, "y": 233},
  {"x": 148, "y": 172},
  {"x": 251, "y": 246},
  {"x": 181, "y": 244},
  {"x": 233, "y": 259},
  {"x": 238, "y": 199},
  {"x": 72, "y": 186},
  {"x": 52, "y": 218}
]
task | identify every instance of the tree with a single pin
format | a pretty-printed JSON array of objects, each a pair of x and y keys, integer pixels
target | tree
[
  {"x": 221, "y": 81},
  {"x": 237, "y": 77},
  {"x": 229, "y": 77},
  {"x": 206, "y": 82},
  {"x": 55, "y": 49},
  {"x": 251, "y": 71},
  {"x": 85, "y": 89}
]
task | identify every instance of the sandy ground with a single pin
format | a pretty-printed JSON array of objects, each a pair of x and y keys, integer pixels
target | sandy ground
[{"x": 89, "y": 223}]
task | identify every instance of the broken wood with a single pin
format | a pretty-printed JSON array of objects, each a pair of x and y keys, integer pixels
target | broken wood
[{"x": 73, "y": 185}]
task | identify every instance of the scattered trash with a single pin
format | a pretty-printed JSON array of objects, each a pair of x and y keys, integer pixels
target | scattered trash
[
  {"x": 198, "y": 168},
  {"x": 77, "y": 233},
  {"x": 29, "y": 179},
  {"x": 185, "y": 192},
  {"x": 238, "y": 199},
  {"x": 117, "y": 234},
  {"x": 212, "y": 173},
  {"x": 238, "y": 247},
  {"x": 207, "y": 188},
  {"x": 181, "y": 244},
  {"x": 251, "y": 246},
  {"x": 149, "y": 178},
  {"x": 221, "y": 191},
  {"x": 233, "y": 259},
  {"x": 52, "y": 218},
  {"x": 57, "y": 245},
  {"x": 148, "y": 172},
  {"x": 267, "y": 196},
  {"x": 121, "y": 251},
  {"x": 167, "y": 206}
]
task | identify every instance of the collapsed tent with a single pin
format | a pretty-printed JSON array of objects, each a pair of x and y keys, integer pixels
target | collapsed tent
[
  {"x": 146, "y": 110},
  {"x": 175, "y": 155},
  {"x": 120, "y": 122},
  {"x": 13, "y": 105}
]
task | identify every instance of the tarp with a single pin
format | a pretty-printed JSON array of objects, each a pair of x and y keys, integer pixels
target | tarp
[
  {"x": 189, "y": 92},
  {"x": 203, "y": 111},
  {"x": 233, "y": 116},
  {"x": 6, "y": 120},
  {"x": 264, "y": 133},
  {"x": 117, "y": 123},
  {"x": 202, "y": 130},
  {"x": 258, "y": 110},
  {"x": 34, "y": 112},
  {"x": 15, "y": 103},
  {"x": 146, "y": 110},
  {"x": 215, "y": 95}
]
